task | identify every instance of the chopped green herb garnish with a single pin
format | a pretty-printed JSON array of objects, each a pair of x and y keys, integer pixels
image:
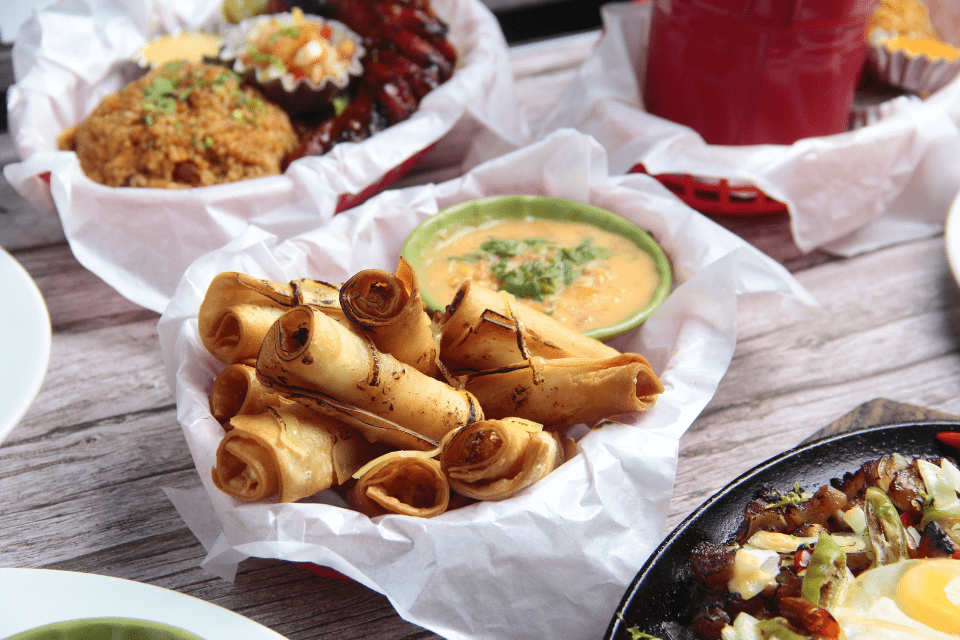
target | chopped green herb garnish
[
  {"x": 506, "y": 248},
  {"x": 173, "y": 66},
  {"x": 538, "y": 276},
  {"x": 582, "y": 253},
  {"x": 794, "y": 497},
  {"x": 207, "y": 142},
  {"x": 159, "y": 96},
  {"x": 532, "y": 279},
  {"x": 257, "y": 56},
  {"x": 635, "y": 633},
  {"x": 287, "y": 32},
  {"x": 340, "y": 103}
]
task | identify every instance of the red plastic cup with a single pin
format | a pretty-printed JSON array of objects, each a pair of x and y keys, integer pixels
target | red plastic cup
[{"x": 756, "y": 71}]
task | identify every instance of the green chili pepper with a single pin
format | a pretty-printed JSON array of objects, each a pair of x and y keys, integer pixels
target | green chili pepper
[
  {"x": 826, "y": 573},
  {"x": 887, "y": 533}
]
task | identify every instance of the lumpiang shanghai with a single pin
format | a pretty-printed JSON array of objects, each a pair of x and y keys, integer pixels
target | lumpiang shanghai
[{"x": 480, "y": 320}]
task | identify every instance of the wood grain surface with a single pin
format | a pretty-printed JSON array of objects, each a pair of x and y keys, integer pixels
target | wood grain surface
[{"x": 81, "y": 476}]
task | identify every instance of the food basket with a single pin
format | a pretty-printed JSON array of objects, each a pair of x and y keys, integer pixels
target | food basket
[
  {"x": 887, "y": 182},
  {"x": 577, "y": 537},
  {"x": 140, "y": 241}
]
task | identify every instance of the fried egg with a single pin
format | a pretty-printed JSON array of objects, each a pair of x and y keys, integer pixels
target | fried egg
[{"x": 905, "y": 600}]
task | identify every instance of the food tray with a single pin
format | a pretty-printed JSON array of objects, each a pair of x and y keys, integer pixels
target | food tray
[{"x": 717, "y": 197}]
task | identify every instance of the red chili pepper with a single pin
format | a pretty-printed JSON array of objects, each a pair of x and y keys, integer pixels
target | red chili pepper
[{"x": 951, "y": 438}]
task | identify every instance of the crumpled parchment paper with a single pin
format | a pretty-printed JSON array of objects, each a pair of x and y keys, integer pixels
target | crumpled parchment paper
[
  {"x": 888, "y": 182},
  {"x": 554, "y": 560},
  {"x": 72, "y": 54}
]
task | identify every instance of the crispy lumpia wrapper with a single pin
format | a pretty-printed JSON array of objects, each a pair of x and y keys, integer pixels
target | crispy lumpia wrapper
[
  {"x": 390, "y": 309},
  {"x": 404, "y": 482},
  {"x": 289, "y": 451},
  {"x": 237, "y": 391},
  {"x": 564, "y": 392},
  {"x": 485, "y": 329},
  {"x": 312, "y": 358},
  {"x": 238, "y": 310},
  {"x": 494, "y": 459}
]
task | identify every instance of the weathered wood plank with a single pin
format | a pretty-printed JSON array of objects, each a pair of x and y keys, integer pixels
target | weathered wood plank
[
  {"x": 885, "y": 328},
  {"x": 77, "y": 299}
]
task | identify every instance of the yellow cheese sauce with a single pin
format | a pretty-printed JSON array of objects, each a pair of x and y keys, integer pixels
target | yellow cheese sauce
[
  {"x": 192, "y": 47},
  {"x": 615, "y": 279},
  {"x": 932, "y": 49}
]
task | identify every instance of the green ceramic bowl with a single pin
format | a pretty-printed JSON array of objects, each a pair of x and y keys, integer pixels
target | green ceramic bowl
[
  {"x": 106, "y": 629},
  {"x": 476, "y": 212}
]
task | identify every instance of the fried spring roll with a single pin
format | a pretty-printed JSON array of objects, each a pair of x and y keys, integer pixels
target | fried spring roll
[
  {"x": 401, "y": 482},
  {"x": 238, "y": 391},
  {"x": 564, "y": 392},
  {"x": 312, "y": 358},
  {"x": 496, "y": 341},
  {"x": 390, "y": 309},
  {"x": 483, "y": 329},
  {"x": 494, "y": 459},
  {"x": 238, "y": 309},
  {"x": 290, "y": 451}
]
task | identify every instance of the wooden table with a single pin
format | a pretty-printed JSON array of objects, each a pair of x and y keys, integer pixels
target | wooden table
[{"x": 81, "y": 475}]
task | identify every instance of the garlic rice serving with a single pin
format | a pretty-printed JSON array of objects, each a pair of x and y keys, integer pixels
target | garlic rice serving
[{"x": 182, "y": 125}]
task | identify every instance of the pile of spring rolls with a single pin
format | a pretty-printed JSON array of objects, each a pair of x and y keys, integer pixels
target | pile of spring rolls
[{"x": 356, "y": 387}]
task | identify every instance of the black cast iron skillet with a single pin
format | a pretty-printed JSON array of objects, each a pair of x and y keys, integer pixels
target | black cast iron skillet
[{"x": 658, "y": 593}]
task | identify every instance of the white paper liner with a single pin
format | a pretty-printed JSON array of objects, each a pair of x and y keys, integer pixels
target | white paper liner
[
  {"x": 889, "y": 182},
  {"x": 70, "y": 55},
  {"x": 553, "y": 561}
]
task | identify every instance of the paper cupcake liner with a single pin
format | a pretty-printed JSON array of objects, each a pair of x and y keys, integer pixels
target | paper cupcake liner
[
  {"x": 296, "y": 95},
  {"x": 915, "y": 72},
  {"x": 874, "y": 103}
]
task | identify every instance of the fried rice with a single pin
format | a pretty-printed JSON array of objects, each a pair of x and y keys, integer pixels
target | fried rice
[{"x": 182, "y": 125}]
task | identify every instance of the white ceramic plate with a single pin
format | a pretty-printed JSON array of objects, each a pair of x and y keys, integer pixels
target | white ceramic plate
[
  {"x": 24, "y": 341},
  {"x": 30, "y": 598},
  {"x": 951, "y": 234}
]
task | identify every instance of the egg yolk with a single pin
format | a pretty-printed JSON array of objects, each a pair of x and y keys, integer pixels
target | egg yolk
[{"x": 929, "y": 592}]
